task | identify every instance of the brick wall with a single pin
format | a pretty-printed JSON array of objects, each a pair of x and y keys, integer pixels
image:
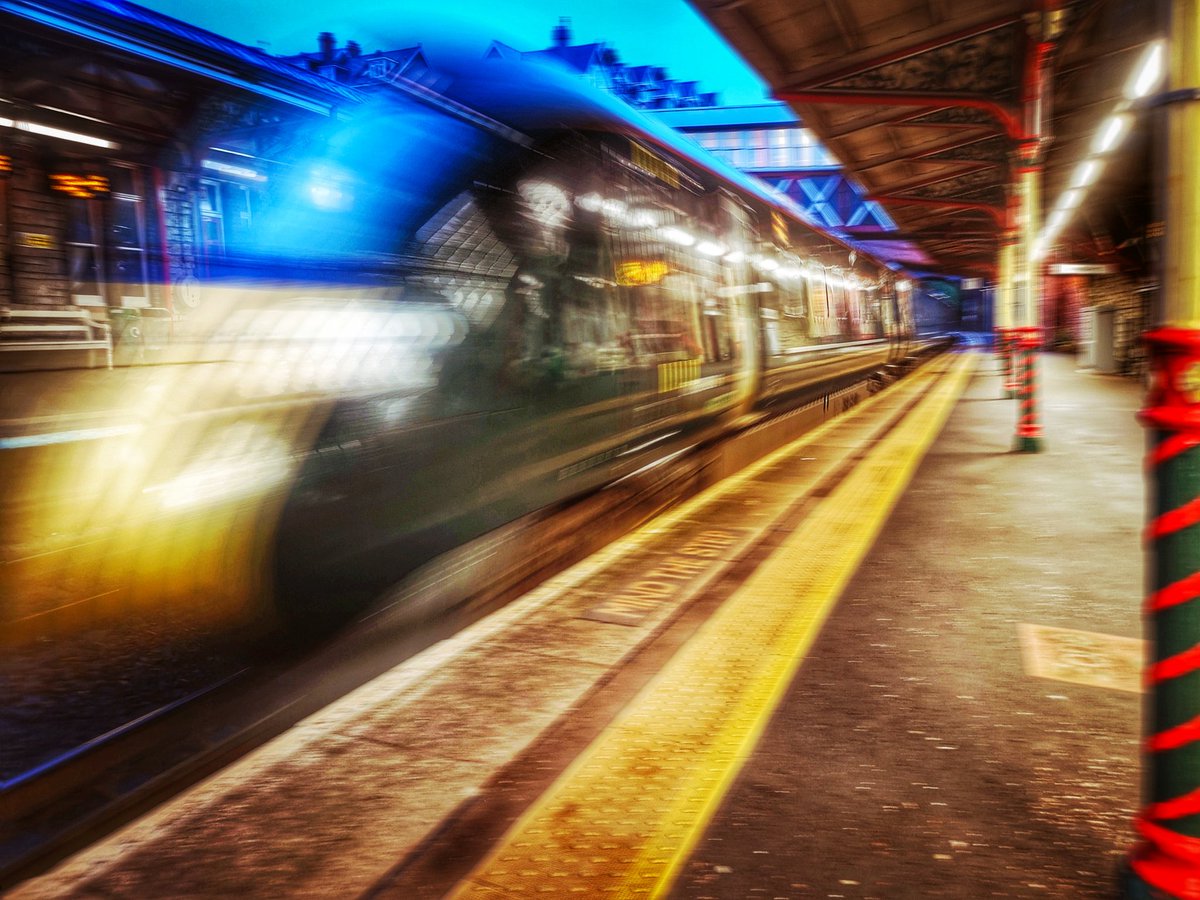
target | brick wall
[
  {"x": 6, "y": 298},
  {"x": 37, "y": 224}
]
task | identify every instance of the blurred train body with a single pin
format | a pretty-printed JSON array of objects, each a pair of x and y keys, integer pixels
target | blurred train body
[{"x": 454, "y": 308}]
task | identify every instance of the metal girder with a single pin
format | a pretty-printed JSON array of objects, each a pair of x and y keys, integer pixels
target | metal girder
[
  {"x": 916, "y": 234},
  {"x": 999, "y": 214},
  {"x": 923, "y": 155},
  {"x": 895, "y": 51},
  {"x": 1008, "y": 115}
]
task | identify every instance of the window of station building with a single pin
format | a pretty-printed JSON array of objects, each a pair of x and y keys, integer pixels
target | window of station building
[
  {"x": 127, "y": 246},
  {"x": 106, "y": 242},
  {"x": 84, "y": 243},
  {"x": 212, "y": 222},
  {"x": 225, "y": 217}
]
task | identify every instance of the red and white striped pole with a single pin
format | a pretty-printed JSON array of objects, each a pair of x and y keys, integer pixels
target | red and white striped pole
[{"x": 1166, "y": 863}]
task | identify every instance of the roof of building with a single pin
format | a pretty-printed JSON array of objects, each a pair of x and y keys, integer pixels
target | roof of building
[
  {"x": 580, "y": 57},
  {"x": 355, "y": 68},
  {"x": 160, "y": 37}
]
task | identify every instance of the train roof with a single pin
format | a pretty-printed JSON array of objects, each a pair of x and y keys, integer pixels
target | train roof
[{"x": 532, "y": 96}]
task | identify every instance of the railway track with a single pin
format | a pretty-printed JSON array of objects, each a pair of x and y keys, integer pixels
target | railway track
[{"x": 65, "y": 803}]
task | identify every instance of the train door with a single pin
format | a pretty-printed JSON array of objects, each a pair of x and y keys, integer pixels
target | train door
[
  {"x": 554, "y": 358},
  {"x": 743, "y": 304}
]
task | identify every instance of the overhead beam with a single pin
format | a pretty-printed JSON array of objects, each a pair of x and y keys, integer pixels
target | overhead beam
[
  {"x": 839, "y": 11},
  {"x": 731, "y": 22},
  {"x": 937, "y": 11},
  {"x": 915, "y": 234},
  {"x": 1008, "y": 115},
  {"x": 893, "y": 51},
  {"x": 923, "y": 155},
  {"x": 909, "y": 187},
  {"x": 998, "y": 213}
]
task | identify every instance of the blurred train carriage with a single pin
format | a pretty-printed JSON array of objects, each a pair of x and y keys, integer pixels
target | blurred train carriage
[{"x": 452, "y": 309}]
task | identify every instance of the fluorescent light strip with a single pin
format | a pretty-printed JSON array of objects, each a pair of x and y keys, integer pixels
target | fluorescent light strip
[
  {"x": 1149, "y": 71},
  {"x": 61, "y": 134},
  {"x": 1112, "y": 131}
]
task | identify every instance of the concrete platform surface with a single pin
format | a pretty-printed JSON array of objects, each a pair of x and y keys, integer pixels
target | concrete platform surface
[{"x": 967, "y": 725}]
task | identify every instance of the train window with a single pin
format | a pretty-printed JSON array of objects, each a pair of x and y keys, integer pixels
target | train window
[
  {"x": 794, "y": 323},
  {"x": 668, "y": 240},
  {"x": 533, "y": 273}
]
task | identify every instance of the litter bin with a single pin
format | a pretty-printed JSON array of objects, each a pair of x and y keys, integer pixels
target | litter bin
[
  {"x": 126, "y": 327},
  {"x": 156, "y": 332},
  {"x": 139, "y": 334},
  {"x": 1087, "y": 337}
]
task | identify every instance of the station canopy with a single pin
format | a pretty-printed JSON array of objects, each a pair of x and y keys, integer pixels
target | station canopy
[{"x": 922, "y": 100}]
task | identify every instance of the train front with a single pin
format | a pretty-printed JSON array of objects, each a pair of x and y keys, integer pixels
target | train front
[{"x": 148, "y": 477}]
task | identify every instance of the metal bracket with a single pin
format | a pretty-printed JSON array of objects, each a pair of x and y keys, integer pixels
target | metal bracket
[{"x": 1166, "y": 98}]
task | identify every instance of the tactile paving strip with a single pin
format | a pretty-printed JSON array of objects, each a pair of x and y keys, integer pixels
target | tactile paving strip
[{"x": 623, "y": 819}]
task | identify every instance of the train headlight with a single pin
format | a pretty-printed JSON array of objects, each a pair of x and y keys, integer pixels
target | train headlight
[
  {"x": 243, "y": 460},
  {"x": 331, "y": 189}
]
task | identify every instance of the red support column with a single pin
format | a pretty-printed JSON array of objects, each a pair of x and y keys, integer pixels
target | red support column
[
  {"x": 1010, "y": 366},
  {"x": 1167, "y": 861},
  {"x": 1029, "y": 428}
]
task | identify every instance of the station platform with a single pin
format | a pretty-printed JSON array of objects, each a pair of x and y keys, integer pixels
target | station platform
[{"x": 894, "y": 658}]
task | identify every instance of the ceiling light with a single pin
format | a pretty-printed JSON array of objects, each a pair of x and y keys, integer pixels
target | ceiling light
[
  {"x": 677, "y": 236},
  {"x": 1056, "y": 222},
  {"x": 60, "y": 133},
  {"x": 1149, "y": 71},
  {"x": 1086, "y": 174},
  {"x": 1111, "y": 133},
  {"x": 1070, "y": 199}
]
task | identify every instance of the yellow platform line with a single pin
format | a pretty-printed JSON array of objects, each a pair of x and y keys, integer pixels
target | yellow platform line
[{"x": 624, "y": 817}]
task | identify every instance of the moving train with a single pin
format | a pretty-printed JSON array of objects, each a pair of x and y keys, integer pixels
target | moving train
[{"x": 456, "y": 306}]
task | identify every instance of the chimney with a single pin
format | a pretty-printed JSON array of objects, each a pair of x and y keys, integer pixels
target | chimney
[
  {"x": 326, "y": 42},
  {"x": 561, "y": 35},
  {"x": 353, "y": 48}
]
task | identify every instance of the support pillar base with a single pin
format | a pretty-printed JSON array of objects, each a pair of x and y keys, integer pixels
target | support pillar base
[
  {"x": 1132, "y": 887},
  {"x": 1184, "y": 878}
]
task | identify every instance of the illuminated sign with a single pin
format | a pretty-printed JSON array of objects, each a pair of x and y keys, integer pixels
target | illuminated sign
[
  {"x": 1082, "y": 269},
  {"x": 5, "y": 165},
  {"x": 779, "y": 229},
  {"x": 227, "y": 169},
  {"x": 36, "y": 241},
  {"x": 639, "y": 272},
  {"x": 654, "y": 165},
  {"x": 82, "y": 186}
]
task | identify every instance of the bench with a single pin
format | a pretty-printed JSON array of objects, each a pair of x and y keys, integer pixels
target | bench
[{"x": 38, "y": 339}]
